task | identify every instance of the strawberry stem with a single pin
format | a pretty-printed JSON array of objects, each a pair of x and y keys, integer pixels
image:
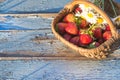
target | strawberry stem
[
  {"x": 91, "y": 27},
  {"x": 89, "y": 31}
]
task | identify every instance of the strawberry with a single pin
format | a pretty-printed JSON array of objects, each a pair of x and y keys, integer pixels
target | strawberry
[
  {"x": 97, "y": 33},
  {"x": 83, "y": 45},
  {"x": 94, "y": 45},
  {"x": 107, "y": 27},
  {"x": 75, "y": 40},
  {"x": 78, "y": 10},
  {"x": 97, "y": 44},
  {"x": 85, "y": 39},
  {"x": 69, "y": 18},
  {"x": 100, "y": 41},
  {"x": 83, "y": 24},
  {"x": 61, "y": 27},
  {"x": 107, "y": 35},
  {"x": 67, "y": 37},
  {"x": 71, "y": 29}
]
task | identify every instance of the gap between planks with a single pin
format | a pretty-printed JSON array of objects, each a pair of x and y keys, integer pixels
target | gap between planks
[
  {"x": 111, "y": 57},
  {"x": 44, "y": 15},
  {"x": 43, "y": 58}
]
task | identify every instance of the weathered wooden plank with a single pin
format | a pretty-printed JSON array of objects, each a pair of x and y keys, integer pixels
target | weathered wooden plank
[
  {"x": 60, "y": 70},
  {"x": 32, "y": 6},
  {"x": 24, "y": 23},
  {"x": 27, "y": 21},
  {"x": 38, "y": 43},
  {"x": 32, "y": 43}
]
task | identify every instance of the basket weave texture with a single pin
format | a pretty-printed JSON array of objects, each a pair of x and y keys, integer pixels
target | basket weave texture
[{"x": 99, "y": 52}]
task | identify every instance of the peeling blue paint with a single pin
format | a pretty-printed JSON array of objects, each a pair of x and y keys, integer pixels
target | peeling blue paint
[
  {"x": 32, "y": 6},
  {"x": 60, "y": 70}
]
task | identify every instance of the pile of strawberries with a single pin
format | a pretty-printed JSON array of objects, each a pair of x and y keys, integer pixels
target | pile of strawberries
[{"x": 82, "y": 33}]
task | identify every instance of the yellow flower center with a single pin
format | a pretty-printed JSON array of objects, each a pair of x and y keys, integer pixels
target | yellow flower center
[
  {"x": 99, "y": 20},
  {"x": 118, "y": 19},
  {"x": 86, "y": 5},
  {"x": 82, "y": 17},
  {"x": 90, "y": 15}
]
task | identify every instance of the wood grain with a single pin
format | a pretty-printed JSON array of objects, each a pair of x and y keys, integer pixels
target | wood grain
[
  {"x": 60, "y": 70},
  {"x": 31, "y": 6}
]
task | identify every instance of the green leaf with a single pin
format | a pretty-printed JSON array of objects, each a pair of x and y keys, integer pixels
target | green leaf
[
  {"x": 56, "y": 29},
  {"x": 92, "y": 45},
  {"x": 77, "y": 20}
]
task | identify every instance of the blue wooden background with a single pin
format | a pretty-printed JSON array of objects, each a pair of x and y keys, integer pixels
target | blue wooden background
[
  {"x": 32, "y": 6},
  {"x": 27, "y": 6},
  {"x": 60, "y": 70},
  {"x": 22, "y": 42}
]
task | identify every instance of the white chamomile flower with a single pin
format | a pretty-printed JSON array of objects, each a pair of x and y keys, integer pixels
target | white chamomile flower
[
  {"x": 90, "y": 17},
  {"x": 82, "y": 6},
  {"x": 78, "y": 14},
  {"x": 85, "y": 7},
  {"x": 101, "y": 20}
]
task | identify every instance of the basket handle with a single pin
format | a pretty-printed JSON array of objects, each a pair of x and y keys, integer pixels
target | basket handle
[{"x": 70, "y": 5}]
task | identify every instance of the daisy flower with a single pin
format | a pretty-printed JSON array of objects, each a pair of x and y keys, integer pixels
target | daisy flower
[
  {"x": 100, "y": 20},
  {"x": 85, "y": 7},
  {"x": 90, "y": 17}
]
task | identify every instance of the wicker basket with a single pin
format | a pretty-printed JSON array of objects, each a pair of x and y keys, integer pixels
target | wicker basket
[{"x": 97, "y": 53}]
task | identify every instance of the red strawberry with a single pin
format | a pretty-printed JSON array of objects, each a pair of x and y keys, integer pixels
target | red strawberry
[
  {"x": 78, "y": 10},
  {"x": 69, "y": 18},
  {"x": 94, "y": 45},
  {"x": 97, "y": 44},
  {"x": 107, "y": 35},
  {"x": 85, "y": 39},
  {"x": 75, "y": 40},
  {"x": 97, "y": 33},
  {"x": 83, "y": 24},
  {"x": 82, "y": 45},
  {"x": 100, "y": 41},
  {"x": 61, "y": 27},
  {"x": 67, "y": 37},
  {"x": 107, "y": 27},
  {"x": 71, "y": 29}
]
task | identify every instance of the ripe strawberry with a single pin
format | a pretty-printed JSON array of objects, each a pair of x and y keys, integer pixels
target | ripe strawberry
[
  {"x": 94, "y": 45},
  {"x": 83, "y": 24},
  {"x": 71, "y": 29},
  {"x": 78, "y": 10},
  {"x": 107, "y": 27},
  {"x": 67, "y": 37},
  {"x": 83, "y": 45},
  {"x": 107, "y": 35},
  {"x": 97, "y": 44},
  {"x": 85, "y": 39},
  {"x": 97, "y": 33},
  {"x": 61, "y": 27},
  {"x": 100, "y": 41},
  {"x": 75, "y": 40},
  {"x": 69, "y": 18}
]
